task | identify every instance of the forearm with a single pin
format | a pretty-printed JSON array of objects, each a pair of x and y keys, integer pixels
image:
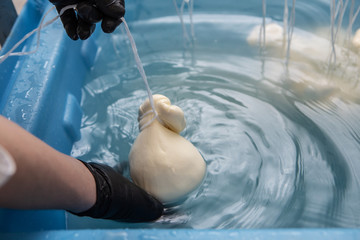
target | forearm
[{"x": 45, "y": 178}]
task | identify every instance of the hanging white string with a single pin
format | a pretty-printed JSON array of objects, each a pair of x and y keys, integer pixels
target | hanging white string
[
  {"x": 191, "y": 9},
  {"x": 290, "y": 32},
  {"x": 38, "y": 29},
  {"x": 143, "y": 75},
  {"x": 180, "y": 13},
  {"x": 132, "y": 42},
  {"x": 352, "y": 17},
  {"x": 262, "y": 33},
  {"x": 333, "y": 11},
  {"x": 285, "y": 18},
  {"x": 355, "y": 16}
]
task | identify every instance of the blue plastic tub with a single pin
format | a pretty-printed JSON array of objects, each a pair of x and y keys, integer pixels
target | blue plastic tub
[{"x": 41, "y": 92}]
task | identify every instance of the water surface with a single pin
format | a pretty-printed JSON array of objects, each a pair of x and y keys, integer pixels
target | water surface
[{"x": 282, "y": 145}]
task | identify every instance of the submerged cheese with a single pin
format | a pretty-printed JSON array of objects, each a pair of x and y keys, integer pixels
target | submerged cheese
[{"x": 162, "y": 162}]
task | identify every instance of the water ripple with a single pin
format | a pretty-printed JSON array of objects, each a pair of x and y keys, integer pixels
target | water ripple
[{"x": 281, "y": 149}]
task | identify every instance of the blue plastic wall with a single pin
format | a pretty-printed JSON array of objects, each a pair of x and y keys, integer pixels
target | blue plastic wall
[
  {"x": 41, "y": 92},
  {"x": 184, "y": 234}
]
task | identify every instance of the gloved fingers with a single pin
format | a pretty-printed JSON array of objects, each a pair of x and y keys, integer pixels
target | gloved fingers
[
  {"x": 119, "y": 199},
  {"x": 112, "y": 8},
  {"x": 70, "y": 22},
  {"x": 109, "y": 24},
  {"x": 63, "y": 3},
  {"x": 144, "y": 207},
  {"x": 84, "y": 29},
  {"x": 89, "y": 12}
]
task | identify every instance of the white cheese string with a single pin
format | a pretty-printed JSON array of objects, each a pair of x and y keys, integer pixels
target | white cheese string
[
  {"x": 143, "y": 75},
  {"x": 38, "y": 29}
]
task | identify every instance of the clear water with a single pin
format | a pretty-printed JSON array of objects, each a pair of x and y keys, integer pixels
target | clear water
[{"x": 282, "y": 145}]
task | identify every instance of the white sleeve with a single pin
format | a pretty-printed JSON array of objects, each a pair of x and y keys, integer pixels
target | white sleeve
[{"x": 7, "y": 166}]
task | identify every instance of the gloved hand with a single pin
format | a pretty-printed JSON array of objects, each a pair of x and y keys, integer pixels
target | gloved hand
[
  {"x": 89, "y": 12},
  {"x": 119, "y": 199}
]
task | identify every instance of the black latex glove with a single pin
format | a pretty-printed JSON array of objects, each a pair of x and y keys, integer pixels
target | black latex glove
[
  {"x": 82, "y": 24},
  {"x": 119, "y": 199}
]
